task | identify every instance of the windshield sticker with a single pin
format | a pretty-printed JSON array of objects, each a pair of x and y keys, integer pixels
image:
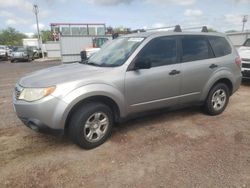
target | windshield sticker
[{"x": 136, "y": 39}]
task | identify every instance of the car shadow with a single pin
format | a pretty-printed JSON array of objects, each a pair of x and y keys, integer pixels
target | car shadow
[
  {"x": 135, "y": 122},
  {"x": 246, "y": 82},
  {"x": 156, "y": 117}
]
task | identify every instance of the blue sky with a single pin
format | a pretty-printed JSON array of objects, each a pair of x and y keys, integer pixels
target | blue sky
[{"x": 221, "y": 15}]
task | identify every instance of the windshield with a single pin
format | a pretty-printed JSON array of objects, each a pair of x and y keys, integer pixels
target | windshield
[
  {"x": 20, "y": 49},
  {"x": 115, "y": 53},
  {"x": 247, "y": 43}
]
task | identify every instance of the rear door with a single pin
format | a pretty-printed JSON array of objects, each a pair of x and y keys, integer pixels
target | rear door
[{"x": 197, "y": 66}]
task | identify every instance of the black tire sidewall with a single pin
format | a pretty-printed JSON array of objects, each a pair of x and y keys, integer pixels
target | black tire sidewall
[
  {"x": 79, "y": 119},
  {"x": 209, "y": 106}
]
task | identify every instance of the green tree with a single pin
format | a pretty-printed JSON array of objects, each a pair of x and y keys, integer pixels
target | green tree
[
  {"x": 211, "y": 30},
  {"x": 46, "y": 35},
  {"x": 122, "y": 30},
  {"x": 11, "y": 37}
]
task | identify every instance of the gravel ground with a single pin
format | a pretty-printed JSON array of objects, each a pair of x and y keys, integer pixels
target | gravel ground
[{"x": 184, "y": 148}]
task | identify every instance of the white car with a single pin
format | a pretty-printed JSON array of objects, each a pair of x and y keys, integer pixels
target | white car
[
  {"x": 4, "y": 52},
  {"x": 244, "y": 52}
]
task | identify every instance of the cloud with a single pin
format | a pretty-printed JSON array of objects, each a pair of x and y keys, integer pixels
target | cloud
[
  {"x": 193, "y": 12},
  {"x": 242, "y": 1},
  {"x": 20, "y": 4},
  {"x": 7, "y": 14},
  {"x": 11, "y": 19},
  {"x": 178, "y": 2},
  {"x": 117, "y": 2},
  {"x": 41, "y": 26},
  {"x": 17, "y": 21},
  {"x": 108, "y": 2},
  {"x": 30, "y": 35},
  {"x": 233, "y": 19}
]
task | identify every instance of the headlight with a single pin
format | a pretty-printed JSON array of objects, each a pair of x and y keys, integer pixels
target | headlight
[{"x": 34, "y": 94}]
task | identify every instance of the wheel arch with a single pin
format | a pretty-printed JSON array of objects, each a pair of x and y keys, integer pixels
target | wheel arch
[
  {"x": 212, "y": 83},
  {"x": 99, "y": 98}
]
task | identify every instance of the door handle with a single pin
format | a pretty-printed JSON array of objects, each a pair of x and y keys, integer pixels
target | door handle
[
  {"x": 174, "y": 72},
  {"x": 213, "y": 66}
]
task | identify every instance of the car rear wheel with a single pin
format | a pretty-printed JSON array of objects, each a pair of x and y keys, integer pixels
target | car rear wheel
[
  {"x": 91, "y": 125},
  {"x": 13, "y": 60},
  {"x": 217, "y": 99}
]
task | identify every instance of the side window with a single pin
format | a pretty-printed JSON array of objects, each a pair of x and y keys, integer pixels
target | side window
[
  {"x": 195, "y": 48},
  {"x": 159, "y": 52},
  {"x": 220, "y": 46}
]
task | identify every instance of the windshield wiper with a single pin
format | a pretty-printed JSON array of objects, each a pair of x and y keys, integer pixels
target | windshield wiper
[
  {"x": 93, "y": 64},
  {"x": 86, "y": 62}
]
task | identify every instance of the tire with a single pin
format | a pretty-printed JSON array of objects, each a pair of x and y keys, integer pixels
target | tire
[
  {"x": 217, "y": 99},
  {"x": 6, "y": 57},
  {"x": 87, "y": 128}
]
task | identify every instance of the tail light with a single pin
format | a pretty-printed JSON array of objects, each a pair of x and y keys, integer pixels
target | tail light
[{"x": 238, "y": 62}]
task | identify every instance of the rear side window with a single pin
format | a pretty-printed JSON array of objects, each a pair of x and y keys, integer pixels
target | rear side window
[
  {"x": 220, "y": 46},
  {"x": 195, "y": 48},
  {"x": 159, "y": 52}
]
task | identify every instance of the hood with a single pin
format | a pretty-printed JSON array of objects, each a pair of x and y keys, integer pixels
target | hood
[
  {"x": 244, "y": 52},
  {"x": 62, "y": 74}
]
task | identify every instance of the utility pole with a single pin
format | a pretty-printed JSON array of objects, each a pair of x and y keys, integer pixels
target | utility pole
[
  {"x": 244, "y": 21},
  {"x": 36, "y": 11}
]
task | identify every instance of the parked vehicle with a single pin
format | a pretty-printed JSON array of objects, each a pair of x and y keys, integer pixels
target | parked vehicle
[
  {"x": 4, "y": 52},
  {"x": 131, "y": 74},
  {"x": 244, "y": 52},
  {"x": 97, "y": 44},
  {"x": 21, "y": 54}
]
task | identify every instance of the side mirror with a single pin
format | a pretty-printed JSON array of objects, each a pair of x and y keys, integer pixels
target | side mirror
[{"x": 142, "y": 65}]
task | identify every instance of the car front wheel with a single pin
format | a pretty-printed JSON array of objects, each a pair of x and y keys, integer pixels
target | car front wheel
[
  {"x": 217, "y": 99},
  {"x": 91, "y": 125}
]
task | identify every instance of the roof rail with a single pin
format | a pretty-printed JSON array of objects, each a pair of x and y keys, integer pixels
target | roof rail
[{"x": 178, "y": 28}]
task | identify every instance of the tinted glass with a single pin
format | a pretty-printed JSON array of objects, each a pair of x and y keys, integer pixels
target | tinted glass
[
  {"x": 219, "y": 45},
  {"x": 247, "y": 43},
  {"x": 195, "y": 48},
  {"x": 159, "y": 52}
]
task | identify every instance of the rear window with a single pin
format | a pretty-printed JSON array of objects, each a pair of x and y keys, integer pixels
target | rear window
[
  {"x": 195, "y": 48},
  {"x": 220, "y": 46}
]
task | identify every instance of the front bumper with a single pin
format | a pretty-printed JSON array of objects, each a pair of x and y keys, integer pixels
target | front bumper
[
  {"x": 38, "y": 126},
  {"x": 44, "y": 115},
  {"x": 19, "y": 57},
  {"x": 3, "y": 55},
  {"x": 245, "y": 73}
]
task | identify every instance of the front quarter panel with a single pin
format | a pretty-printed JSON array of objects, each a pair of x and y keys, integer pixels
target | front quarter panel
[{"x": 92, "y": 90}]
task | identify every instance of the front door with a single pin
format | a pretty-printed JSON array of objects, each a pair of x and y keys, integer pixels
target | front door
[{"x": 158, "y": 86}]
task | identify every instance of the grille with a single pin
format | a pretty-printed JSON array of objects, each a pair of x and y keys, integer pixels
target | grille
[
  {"x": 18, "y": 91},
  {"x": 246, "y": 65},
  {"x": 244, "y": 59}
]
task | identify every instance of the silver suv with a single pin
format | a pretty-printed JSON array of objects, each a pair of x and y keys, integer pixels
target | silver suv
[{"x": 131, "y": 74}]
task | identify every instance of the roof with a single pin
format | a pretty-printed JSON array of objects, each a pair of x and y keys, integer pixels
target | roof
[{"x": 55, "y": 24}]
